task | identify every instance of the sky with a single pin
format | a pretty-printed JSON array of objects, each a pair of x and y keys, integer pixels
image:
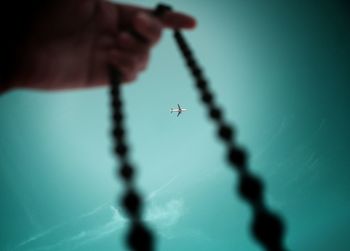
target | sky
[{"x": 280, "y": 71}]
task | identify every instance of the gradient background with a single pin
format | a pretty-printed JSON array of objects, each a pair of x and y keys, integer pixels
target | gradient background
[{"x": 281, "y": 71}]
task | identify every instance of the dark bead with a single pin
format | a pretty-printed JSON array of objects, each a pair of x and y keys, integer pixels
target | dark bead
[
  {"x": 237, "y": 157},
  {"x": 188, "y": 54},
  {"x": 121, "y": 149},
  {"x": 140, "y": 238},
  {"x": 132, "y": 204},
  {"x": 207, "y": 97},
  {"x": 215, "y": 113},
  {"x": 161, "y": 10},
  {"x": 251, "y": 188},
  {"x": 181, "y": 42},
  {"x": 126, "y": 172},
  {"x": 191, "y": 63},
  {"x": 201, "y": 83},
  {"x": 176, "y": 34},
  {"x": 225, "y": 133},
  {"x": 196, "y": 71},
  {"x": 118, "y": 117},
  {"x": 118, "y": 133},
  {"x": 115, "y": 91},
  {"x": 117, "y": 103},
  {"x": 268, "y": 230}
]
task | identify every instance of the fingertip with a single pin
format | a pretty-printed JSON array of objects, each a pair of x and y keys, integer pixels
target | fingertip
[
  {"x": 177, "y": 20},
  {"x": 192, "y": 23}
]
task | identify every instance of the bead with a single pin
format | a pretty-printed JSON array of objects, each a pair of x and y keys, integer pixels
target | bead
[
  {"x": 207, "y": 97},
  {"x": 117, "y": 103},
  {"x": 225, "y": 133},
  {"x": 201, "y": 83},
  {"x": 121, "y": 149},
  {"x": 118, "y": 133},
  {"x": 251, "y": 188},
  {"x": 215, "y": 113},
  {"x": 196, "y": 71},
  {"x": 132, "y": 203},
  {"x": 268, "y": 230},
  {"x": 126, "y": 172},
  {"x": 237, "y": 157},
  {"x": 140, "y": 238},
  {"x": 118, "y": 117}
]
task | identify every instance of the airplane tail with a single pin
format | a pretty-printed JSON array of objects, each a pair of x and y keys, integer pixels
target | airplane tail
[{"x": 171, "y": 110}]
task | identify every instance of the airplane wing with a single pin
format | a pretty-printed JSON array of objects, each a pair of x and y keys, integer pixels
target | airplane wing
[
  {"x": 178, "y": 113},
  {"x": 179, "y": 106}
]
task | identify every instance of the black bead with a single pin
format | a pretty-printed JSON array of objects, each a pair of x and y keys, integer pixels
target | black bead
[
  {"x": 121, "y": 149},
  {"x": 188, "y": 55},
  {"x": 132, "y": 203},
  {"x": 140, "y": 238},
  {"x": 115, "y": 91},
  {"x": 201, "y": 83},
  {"x": 207, "y": 97},
  {"x": 237, "y": 157},
  {"x": 196, "y": 71},
  {"x": 191, "y": 63},
  {"x": 118, "y": 133},
  {"x": 268, "y": 230},
  {"x": 225, "y": 133},
  {"x": 118, "y": 117},
  {"x": 126, "y": 172},
  {"x": 215, "y": 113},
  {"x": 117, "y": 103},
  {"x": 251, "y": 189},
  {"x": 161, "y": 10}
]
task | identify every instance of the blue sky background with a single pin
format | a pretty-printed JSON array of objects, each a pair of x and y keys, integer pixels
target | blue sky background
[{"x": 280, "y": 70}]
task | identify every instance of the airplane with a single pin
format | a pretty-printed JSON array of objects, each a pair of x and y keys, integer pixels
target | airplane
[{"x": 178, "y": 110}]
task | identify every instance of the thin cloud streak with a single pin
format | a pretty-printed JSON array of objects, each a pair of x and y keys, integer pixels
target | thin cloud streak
[{"x": 161, "y": 216}]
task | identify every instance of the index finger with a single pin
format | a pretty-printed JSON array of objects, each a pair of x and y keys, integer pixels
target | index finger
[
  {"x": 177, "y": 20},
  {"x": 170, "y": 19}
]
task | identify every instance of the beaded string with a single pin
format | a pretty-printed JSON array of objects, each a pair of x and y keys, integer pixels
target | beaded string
[
  {"x": 267, "y": 227},
  {"x": 139, "y": 237}
]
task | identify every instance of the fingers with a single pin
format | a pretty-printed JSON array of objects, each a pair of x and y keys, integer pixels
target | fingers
[
  {"x": 129, "y": 64},
  {"x": 129, "y": 43},
  {"x": 148, "y": 27},
  {"x": 174, "y": 20},
  {"x": 139, "y": 31}
]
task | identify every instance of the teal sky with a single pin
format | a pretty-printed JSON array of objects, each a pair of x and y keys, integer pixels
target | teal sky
[{"x": 280, "y": 70}]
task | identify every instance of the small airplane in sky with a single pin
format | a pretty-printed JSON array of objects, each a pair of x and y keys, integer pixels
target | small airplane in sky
[{"x": 178, "y": 110}]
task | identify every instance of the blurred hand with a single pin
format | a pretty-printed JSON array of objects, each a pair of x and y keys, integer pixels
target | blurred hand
[{"x": 71, "y": 44}]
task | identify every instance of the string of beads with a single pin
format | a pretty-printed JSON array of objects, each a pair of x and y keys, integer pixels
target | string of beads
[
  {"x": 139, "y": 237},
  {"x": 267, "y": 227}
]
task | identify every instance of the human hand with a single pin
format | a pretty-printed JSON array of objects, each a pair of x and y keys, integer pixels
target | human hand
[{"x": 71, "y": 44}]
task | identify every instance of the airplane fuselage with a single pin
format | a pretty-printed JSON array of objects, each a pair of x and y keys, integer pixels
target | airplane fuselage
[{"x": 179, "y": 110}]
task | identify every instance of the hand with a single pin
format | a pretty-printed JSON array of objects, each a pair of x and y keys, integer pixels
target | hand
[{"x": 72, "y": 43}]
